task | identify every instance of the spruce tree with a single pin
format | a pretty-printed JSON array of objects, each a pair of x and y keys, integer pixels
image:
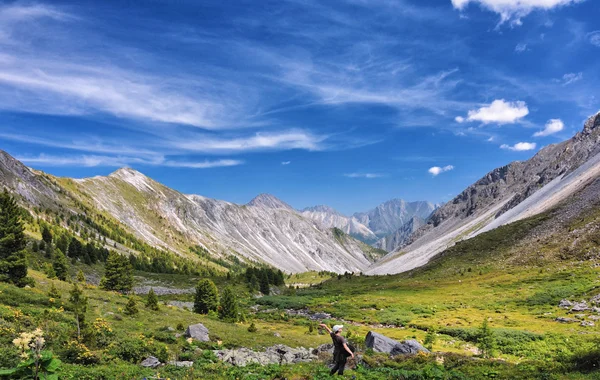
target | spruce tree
[
  {"x": 131, "y": 307},
  {"x": 46, "y": 235},
  {"x": 78, "y": 302},
  {"x": 75, "y": 249},
  {"x": 60, "y": 265},
  {"x": 152, "y": 300},
  {"x": 80, "y": 276},
  {"x": 206, "y": 298},
  {"x": 486, "y": 341},
  {"x": 13, "y": 264},
  {"x": 264, "y": 283},
  {"x": 228, "y": 307},
  {"x": 118, "y": 273},
  {"x": 54, "y": 293}
]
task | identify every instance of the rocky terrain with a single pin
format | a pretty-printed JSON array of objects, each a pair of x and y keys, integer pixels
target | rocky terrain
[
  {"x": 504, "y": 195},
  {"x": 330, "y": 218}
]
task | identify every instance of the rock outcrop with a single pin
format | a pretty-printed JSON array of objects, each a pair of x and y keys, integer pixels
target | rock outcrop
[
  {"x": 278, "y": 354},
  {"x": 197, "y": 332},
  {"x": 381, "y": 343}
]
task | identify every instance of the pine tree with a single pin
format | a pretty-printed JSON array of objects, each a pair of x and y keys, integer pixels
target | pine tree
[
  {"x": 13, "y": 264},
  {"x": 54, "y": 293},
  {"x": 252, "y": 328},
  {"x": 152, "y": 300},
  {"x": 486, "y": 341},
  {"x": 75, "y": 249},
  {"x": 228, "y": 308},
  {"x": 78, "y": 302},
  {"x": 206, "y": 298},
  {"x": 264, "y": 283},
  {"x": 60, "y": 265},
  {"x": 80, "y": 276},
  {"x": 131, "y": 307},
  {"x": 118, "y": 273},
  {"x": 46, "y": 235}
]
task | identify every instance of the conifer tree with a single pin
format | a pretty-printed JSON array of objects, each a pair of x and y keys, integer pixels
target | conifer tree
[
  {"x": 13, "y": 264},
  {"x": 264, "y": 283},
  {"x": 152, "y": 300},
  {"x": 228, "y": 307},
  {"x": 118, "y": 273},
  {"x": 46, "y": 235},
  {"x": 206, "y": 298},
  {"x": 53, "y": 292},
  {"x": 78, "y": 302},
  {"x": 486, "y": 341},
  {"x": 131, "y": 307},
  {"x": 80, "y": 276},
  {"x": 60, "y": 265}
]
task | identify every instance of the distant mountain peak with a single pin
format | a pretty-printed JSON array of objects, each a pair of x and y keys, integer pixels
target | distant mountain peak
[
  {"x": 265, "y": 200},
  {"x": 133, "y": 177},
  {"x": 592, "y": 123}
]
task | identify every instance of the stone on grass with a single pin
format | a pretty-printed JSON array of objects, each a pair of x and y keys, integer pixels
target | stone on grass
[
  {"x": 381, "y": 343},
  {"x": 565, "y": 304},
  {"x": 197, "y": 332},
  {"x": 580, "y": 306},
  {"x": 278, "y": 354},
  {"x": 184, "y": 363},
  {"x": 566, "y": 320},
  {"x": 150, "y": 362}
]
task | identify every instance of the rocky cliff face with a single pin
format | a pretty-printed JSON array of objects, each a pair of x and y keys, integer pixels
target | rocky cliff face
[
  {"x": 518, "y": 190},
  {"x": 330, "y": 218},
  {"x": 392, "y": 215},
  {"x": 266, "y": 230},
  {"x": 401, "y": 236}
]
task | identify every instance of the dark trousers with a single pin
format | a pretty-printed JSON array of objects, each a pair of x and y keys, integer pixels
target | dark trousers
[{"x": 340, "y": 363}]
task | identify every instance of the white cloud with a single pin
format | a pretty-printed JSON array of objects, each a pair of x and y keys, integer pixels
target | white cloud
[
  {"x": 490, "y": 139},
  {"x": 364, "y": 175},
  {"x": 521, "y": 47},
  {"x": 594, "y": 38},
  {"x": 519, "y": 147},
  {"x": 111, "y": 161},
  {"x": 571, "y": 78},
  {"x": 286, "y": 162},
  {"x": 499, "y": 111},
  {"x": 552, "y": 126},
  {"x": 434, "y": 171},
  {"x": 514, "y": 10},
  {"x": 459, "y": 119}
]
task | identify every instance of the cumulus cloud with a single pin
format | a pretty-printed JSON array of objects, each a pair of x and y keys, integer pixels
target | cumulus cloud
[
  {"x": 364, "y": 175},
  {"x": 594, "y": 38},
  {"x": 521, "y": 47},
  {"x": 519, "y": 147},
  {"x": 435, "y": 170},
  {"x": 514, "y": 10},
  {"x": 499, "y": 111},
  {"x": 552, "y": 126},
  {"x": 286, "y": 162}
]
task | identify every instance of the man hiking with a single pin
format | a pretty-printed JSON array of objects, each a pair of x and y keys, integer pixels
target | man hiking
[{"x": 341, "y": 351}]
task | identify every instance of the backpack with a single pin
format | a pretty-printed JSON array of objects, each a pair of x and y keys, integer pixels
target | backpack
[{"x": 351, "y": 347}]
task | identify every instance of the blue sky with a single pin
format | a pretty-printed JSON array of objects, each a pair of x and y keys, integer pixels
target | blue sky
[{"x": 347, "y": 103}]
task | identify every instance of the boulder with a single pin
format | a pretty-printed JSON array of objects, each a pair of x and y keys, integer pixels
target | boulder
[
  {"x": 565, "y": 304},
  {"x": 381, "y": 343},
  {"x": 278, "y": 354},
  {"x": 324, "y": 348},
  {"x": 587, "y": 323},
  {"x": 150, "y": 362},
  {"x": 197, "y": 332},
  {"x": 181, "y": 363},
  {"x": 566, "y": 320},
  {"x": 595, "y": 299},
  {"x": 580, "y": 306}
]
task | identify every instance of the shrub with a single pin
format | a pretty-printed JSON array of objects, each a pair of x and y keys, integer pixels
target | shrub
[
  {"x": 252, "y": 328},
  {"x": 77, "y": 353},
  {"x": 131, "y": 307},
  {"x": 152, "y": 300}
]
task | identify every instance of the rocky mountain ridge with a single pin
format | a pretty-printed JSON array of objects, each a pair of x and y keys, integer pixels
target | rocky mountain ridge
[{"x": 504, "y": 195}]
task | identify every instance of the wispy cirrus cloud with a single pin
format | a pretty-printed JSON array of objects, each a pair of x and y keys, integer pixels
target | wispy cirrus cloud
[
  {"x": 499, "y": 111},
  {"x": 364, "y": 175},
  {"x": 514, "y": 10},
  {"x": 120, "y": 161},
  {"x": 519, "y": 147}
]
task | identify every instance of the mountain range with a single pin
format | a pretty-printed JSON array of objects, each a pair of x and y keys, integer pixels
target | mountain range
[{"x": 267, "y": 230}]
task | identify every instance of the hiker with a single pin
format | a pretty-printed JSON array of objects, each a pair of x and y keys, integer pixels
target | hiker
[{"x": 341, "y": 351}]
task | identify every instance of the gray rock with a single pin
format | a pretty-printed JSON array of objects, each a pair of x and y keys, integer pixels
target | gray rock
[
  {"x": 566, "y": 320},
  {"x": 181, "y": 363},
  {"x": 150, "y": 362},
  {"x": 565, "y": 304},
  {"x": 594, "y": 317},
  {"x": 587, "y": 323},
  {"x": 277, "y": 335},
  {"x": 595, "y": 299},
  {"x": 324, "y": 348},
  {"x": 278, "y": 354},
  {"x": 197, "y": 332},
  {"x": 580, "y": 306},
  {"x": 580, "y": 316},
  {"x": 381, "y": 343}
]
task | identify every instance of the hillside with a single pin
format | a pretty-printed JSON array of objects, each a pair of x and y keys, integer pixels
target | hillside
[
  {"x": 264, "y": 231},
  {"x": 504, "y": 195}
]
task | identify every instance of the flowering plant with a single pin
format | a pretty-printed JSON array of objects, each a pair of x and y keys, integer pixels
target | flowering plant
[{"x": 35, "y": 360}]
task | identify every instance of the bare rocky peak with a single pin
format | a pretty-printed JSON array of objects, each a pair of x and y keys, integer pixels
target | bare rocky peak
[
  {"x": 401, "y": 236},
  {"x": 269, "y": 201},
  {"x": 324, "y": 209},
  {"x": 393, "y": 214}
]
